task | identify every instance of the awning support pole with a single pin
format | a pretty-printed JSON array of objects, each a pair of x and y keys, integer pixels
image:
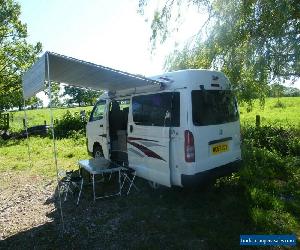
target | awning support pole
[
  {"x": 54, "y": 141},
  {"x": 27, "y": 136}
]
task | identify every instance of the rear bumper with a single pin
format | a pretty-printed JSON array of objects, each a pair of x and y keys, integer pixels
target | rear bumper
[{"x": 209, "y": 175}]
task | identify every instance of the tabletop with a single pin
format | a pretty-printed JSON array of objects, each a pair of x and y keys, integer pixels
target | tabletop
[{"x": 99, "y": 166}]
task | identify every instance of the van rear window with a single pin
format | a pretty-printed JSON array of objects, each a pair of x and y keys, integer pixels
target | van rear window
[
  {"x": 212, "y": 107},
  {"x": 162, "y": 109}
]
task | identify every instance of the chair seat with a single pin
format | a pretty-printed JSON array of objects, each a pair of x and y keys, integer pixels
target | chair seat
[
  {"x": 130, "y": 170},
  {"x": 75, "y": 178},
  {"x": 69, "y": 183}
]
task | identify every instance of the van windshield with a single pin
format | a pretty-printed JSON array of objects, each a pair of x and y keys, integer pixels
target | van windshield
[{"x": 212, "y": 107}]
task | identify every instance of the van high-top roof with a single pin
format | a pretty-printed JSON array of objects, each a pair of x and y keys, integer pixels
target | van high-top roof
[
  {"x": 189, "y": 78},
  {"x": 184, "y": 78}
]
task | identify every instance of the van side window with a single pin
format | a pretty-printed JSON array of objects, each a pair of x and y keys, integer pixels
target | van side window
[
  {"x": 162, "y": 109},
  {"x": 98, "y": 111}
]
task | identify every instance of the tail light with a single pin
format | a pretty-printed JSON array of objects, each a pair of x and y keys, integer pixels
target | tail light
[{"x": 189, "y": 146}]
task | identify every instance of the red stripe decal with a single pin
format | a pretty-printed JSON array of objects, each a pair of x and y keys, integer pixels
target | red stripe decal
[
  {"x": 146, "y": 151},
  {"x": 140, "y": 139}
]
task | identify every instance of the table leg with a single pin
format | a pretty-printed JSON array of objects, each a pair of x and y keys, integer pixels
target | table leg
[
  {"x": 94, "y": 187},
  {"x": 81, "y": 186}
]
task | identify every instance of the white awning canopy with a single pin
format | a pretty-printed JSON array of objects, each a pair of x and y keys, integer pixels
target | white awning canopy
[{"x": 78, "y": 73}]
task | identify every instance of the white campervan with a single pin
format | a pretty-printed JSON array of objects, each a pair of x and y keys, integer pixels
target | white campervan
[{"x": 180, "y": 134}]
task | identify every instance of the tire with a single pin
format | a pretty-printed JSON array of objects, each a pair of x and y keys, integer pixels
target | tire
[{"x": 97, "y": 151}]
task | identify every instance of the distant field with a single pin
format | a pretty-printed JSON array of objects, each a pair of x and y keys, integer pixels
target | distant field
[
  {"x": 288, "y": 115},
  {"x": 38, "y": 116}
]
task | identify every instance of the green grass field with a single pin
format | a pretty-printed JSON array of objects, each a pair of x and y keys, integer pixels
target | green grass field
[
  {"x": 14, "y": 155},
  {"x": 38, "y": 116},
  {"x": 288, "y": 115},
  {"x": 262, "y": 198}
]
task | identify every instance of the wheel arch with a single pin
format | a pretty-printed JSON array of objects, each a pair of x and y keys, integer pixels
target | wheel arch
[{"x": 95, "y": 146}]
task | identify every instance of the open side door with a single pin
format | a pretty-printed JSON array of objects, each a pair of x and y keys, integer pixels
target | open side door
[{"x": 97, "y": 130}]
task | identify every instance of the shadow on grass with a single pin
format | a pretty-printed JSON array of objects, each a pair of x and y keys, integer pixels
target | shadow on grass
[
  {"x": 11, "y": 142},
  {"x": 210, "y": 218}
]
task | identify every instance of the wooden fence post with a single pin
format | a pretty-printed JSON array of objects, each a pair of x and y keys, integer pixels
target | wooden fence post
[{"x": 257, "y": 121}]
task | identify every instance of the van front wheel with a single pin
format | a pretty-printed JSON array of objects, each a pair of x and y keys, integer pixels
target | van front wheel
[{"x": 97, "y": 151}]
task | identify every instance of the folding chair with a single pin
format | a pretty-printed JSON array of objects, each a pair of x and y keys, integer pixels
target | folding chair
[
  {"x": 128, "y": 175},
  {"x": 69, "y": 182}
]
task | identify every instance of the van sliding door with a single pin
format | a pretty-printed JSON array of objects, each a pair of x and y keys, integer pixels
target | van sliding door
[{"x": 148, "y": 140}]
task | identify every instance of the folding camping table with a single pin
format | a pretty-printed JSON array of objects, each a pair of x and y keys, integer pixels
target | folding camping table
[{"x": 101, "y": 166}]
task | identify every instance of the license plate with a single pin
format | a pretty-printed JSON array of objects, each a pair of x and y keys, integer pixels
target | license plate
[{"x": 219, "y": 148}]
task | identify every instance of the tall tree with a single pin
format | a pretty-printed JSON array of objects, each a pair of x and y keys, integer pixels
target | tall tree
[
  {"x": 16, "y": 55},
  {"x": 55, "y": 94},
  {"x": 254, "y": 42},
  {"x": 81, "y": 96},
  {"x": 35, "y": 102}
]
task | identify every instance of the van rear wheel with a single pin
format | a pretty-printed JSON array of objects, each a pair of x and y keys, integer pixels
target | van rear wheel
[{"x": 97, "y": 151}]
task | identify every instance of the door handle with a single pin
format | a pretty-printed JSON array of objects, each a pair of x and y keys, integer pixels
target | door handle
[
  {"x": 131, "y": 128},
  {"x": 101, "y": 125},
  {"x": 173, "y": 133}
]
